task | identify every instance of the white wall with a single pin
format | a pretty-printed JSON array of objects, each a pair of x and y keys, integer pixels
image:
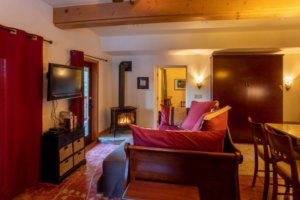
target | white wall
[
  {"x": 145, "y": 66},
  {"x": 186, "y": 45},
  {"x": 214, "y": 39},
  {"x": 35, "y": 16}
]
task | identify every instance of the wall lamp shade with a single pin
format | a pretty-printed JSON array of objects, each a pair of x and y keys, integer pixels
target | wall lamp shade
[
  {"x": 199, "y": 82},
  {"x": 288, "y": 80}
]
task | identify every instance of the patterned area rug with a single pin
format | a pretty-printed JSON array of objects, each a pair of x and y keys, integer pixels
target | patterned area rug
[{"x": 81, "y": 184}]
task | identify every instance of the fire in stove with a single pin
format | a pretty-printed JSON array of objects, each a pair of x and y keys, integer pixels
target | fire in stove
[{"x": 125, "y": 118}]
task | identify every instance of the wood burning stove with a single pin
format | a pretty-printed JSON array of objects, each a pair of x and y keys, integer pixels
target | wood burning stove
[{"x": 123, "y": 115}]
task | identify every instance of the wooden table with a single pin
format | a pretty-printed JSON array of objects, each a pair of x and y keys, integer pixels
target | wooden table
[
  {"x": 160, "y": 191},
  {"x": 292, "y": 130}
]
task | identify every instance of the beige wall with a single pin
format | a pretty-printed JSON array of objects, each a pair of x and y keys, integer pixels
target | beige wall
[
  {"x": 195, "y": 48},
  {"x": 177, "y": 95},
  {"x": 145, "y": 65},
  {"x": 291, "y": 98},
  {"x": 35, "y": 16},
  {"x": 213, "y": 39}
]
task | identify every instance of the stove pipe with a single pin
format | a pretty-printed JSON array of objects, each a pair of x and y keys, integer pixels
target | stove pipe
[{"x": 123, "y": 67}]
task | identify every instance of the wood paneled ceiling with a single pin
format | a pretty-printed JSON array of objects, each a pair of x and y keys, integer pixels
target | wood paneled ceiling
[
  {"x": 158, "y": 11},
  {"x": 62, "y": 3}
]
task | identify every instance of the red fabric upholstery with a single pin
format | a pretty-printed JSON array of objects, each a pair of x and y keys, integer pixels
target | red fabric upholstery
[
  {"x": 211, "y": 141},
  {"x": 219, "y": 122},
  {"x": 165, "y": 115},
  {"x": 168, "y": 127},
  {"x": 196, "y": 111},
  {"x": 77, "y": 104},
  {"x": 21, "y": 84}
]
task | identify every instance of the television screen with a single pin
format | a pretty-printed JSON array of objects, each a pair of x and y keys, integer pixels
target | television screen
[{"x": 64, "y": 81}]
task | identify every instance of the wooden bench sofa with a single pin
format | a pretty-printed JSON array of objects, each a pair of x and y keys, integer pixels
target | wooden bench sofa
[{"x": 215, "y": 174}]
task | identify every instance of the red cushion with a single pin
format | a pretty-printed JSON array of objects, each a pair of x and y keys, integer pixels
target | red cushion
[
  {"x": 202, "y": 141},
  {"x": 168, "y": 127},
  {"x": 165, "y": 115},
  {"x": 219, "y": 122},
  {"x": 199, "y": 123},
  {"x": 196, "y": 111}
]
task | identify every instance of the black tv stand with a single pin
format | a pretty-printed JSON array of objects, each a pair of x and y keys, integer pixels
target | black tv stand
[
  {"x": 57, "y": 130},
  {"x": 63, "y": 151}
]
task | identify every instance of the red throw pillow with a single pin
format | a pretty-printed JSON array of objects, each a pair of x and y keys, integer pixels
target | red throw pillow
[
  {"x": 199, "y": 123},
  {"x": 211, "y": 141},
  {"x": 196, "y": 111},
  {"x": 219, "y": 122},
  {"x": 165, "y": 115}
]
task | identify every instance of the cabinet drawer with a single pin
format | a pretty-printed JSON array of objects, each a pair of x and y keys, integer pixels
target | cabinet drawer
[
  {"x": 78, "y": 144},
  {"x": 65, "y": 166},
  {"x": 78, "y": 157},
  {"x": 65, "y": 152}
]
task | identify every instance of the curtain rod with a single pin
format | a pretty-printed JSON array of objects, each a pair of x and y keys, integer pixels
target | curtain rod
[
  {"x": 102, "y": 59},
  {"x": 27, "y": 34},
  {"x": 48, "y": 41}
]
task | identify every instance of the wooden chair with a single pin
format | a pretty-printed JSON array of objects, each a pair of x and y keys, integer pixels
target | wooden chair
[
  {"x": 284, "y": 163},
  {"x": 261, "y": 149}
]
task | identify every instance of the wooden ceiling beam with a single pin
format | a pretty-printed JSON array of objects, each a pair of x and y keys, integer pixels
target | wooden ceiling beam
[{"x": 157, "y": 11}]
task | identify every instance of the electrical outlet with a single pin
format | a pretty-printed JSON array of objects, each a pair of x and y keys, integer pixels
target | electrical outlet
[{"x": 198, "y": 96}]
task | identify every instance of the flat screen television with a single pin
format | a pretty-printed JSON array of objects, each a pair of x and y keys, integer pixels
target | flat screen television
[{"x": 64, "y": 82}]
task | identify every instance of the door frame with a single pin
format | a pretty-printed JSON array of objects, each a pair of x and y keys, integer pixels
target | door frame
[
  {"x": 156, "y": 93},
  {"x": 94, "y": 72}
]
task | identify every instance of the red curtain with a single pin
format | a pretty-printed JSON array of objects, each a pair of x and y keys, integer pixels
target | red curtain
[
  {"x": 21, "y": 75},
  {"x": 77, "y": 105}
]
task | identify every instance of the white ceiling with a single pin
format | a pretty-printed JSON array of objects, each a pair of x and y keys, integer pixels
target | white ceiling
[{"x": 199, "y": 26}]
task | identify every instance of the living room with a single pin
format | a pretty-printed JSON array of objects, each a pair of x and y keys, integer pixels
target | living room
[{"x": 151, "y": 46}]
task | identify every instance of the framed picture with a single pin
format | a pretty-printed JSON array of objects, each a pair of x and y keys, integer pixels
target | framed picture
[
  {"x": 143, "y": 82},
  {"x": 179, "y": 84}
]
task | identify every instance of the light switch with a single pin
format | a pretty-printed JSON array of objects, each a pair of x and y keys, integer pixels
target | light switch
[{"x": 198, "y": 96}]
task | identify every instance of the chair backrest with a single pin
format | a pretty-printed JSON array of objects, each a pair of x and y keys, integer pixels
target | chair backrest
[
  {"x": 282, "y": 150},
  {"x": 280, "y": 146},
  {"x": 257, "y": 130}
]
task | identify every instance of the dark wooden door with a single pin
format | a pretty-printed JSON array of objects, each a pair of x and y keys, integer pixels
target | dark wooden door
[
  {"x": 229, "y": 89},
  {"x": 264, "y": 102},
  {"x": 250, "y": 84}
]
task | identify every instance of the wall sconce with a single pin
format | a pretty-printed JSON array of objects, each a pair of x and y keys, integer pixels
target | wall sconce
[
  {"x": 288, "y": 80},
  {"x": 199, "y": 81}
]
